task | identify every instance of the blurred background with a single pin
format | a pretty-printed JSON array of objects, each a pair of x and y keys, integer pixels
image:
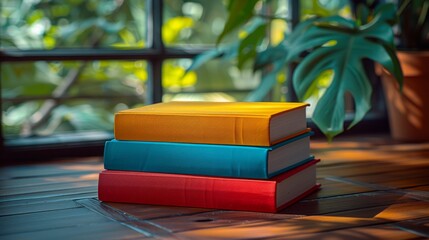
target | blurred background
[{"x": 68, "y": 65}]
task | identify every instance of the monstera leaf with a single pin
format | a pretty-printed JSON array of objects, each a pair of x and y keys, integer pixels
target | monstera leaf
[
  {"x": 243, "y": 12},
  {"x": 320, "y": 46},
  {"x": 340, "y": 45}
]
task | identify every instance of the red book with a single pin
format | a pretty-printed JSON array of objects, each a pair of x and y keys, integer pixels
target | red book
[{"x": 209, "y": 192}]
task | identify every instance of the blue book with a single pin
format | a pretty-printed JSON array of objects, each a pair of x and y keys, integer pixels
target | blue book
[{"x": 208, "y": 159}]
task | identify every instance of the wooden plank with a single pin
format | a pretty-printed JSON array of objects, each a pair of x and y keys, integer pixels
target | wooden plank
[
  {"x": 148, "y": 212},
  {"x": 48, "y": 194},
  {"x": 405, "y": 211},
  {"x": 382, "y": 144},
  {"x": 359, "y": 156},
  {"x": 92, "y": 231},
  {"x": 36, "y": 207},
  {"x": 40, "y": 221},
  {"x": 369, "y": 190},
  {"x": 368, "y": 212},
  {"x": 282, "y": 228},
  {"x": 355, "y": 155},
  {"x": 400, "y": 171},
  {"x": 217, "y": 219},
  {"x": 334, "y": 188},
  {"x": 345, "y": 203},
  {"x": 41, "y": 181},
  {"x": 414, "y": 194},
  {"x": 95, "y": 231},
  {"x": 417, "y": 226},
  {"x": 420, "y": 188},
  {"x": 145, "y": 227},
  {"x": 393, "y": 212},
  {"x": 385, "y": 231},
  {"x": 44, "y": 170},
  {"x": 392, "y": 156},
  {"x": 326, "y": 168},
  {"x": 75, "y": 223},
  {"x": 28, "y": 190},
  {"x": 372, "y": 168},
  {"x": 396, "y": 181},
  {"x": 50, "y": 199}
]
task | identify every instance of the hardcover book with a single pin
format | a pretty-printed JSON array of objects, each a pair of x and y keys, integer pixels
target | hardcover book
[
  {"x": 235, "y": 123},
  {"x": 208, "y": 192},
  {"x": 208, "y": 159}
]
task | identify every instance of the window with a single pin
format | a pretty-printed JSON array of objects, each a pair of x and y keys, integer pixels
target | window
[{"x": 68, "y": 65}]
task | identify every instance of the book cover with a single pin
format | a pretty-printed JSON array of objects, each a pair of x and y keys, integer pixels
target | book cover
[
  {"x": 235, "y": 123},
  {"x": 208, "y": 159},
  {"x": 208, "y": 192}
]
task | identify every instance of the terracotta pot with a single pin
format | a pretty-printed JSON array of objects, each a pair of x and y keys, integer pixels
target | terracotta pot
[{"x": 409, "y": 110}]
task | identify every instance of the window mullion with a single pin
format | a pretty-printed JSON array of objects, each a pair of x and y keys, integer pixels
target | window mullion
[
  {"x": 294, "y": 17},
  {"x": 155, "y": 82}
]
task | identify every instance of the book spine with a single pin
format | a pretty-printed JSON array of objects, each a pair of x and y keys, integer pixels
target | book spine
[
  {"x": 182, "y": 158},
  {"x": 188, "y": 191},
  {"x": 252, "y": 131}
]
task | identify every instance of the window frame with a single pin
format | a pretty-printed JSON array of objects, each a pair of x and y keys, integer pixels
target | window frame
[
  {"x": 156, "y": 54},
  {"x": 65, "y": 146}
]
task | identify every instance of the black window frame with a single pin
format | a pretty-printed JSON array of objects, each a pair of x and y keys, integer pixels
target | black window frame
[
  {"x": 69, "y": 146},
  {"x": 82, "y": 145}
]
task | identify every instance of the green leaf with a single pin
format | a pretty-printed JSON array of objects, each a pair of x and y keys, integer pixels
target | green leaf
[
  {"x": 239, "y": 13},
  {"x": 362, "y": 14},
  {"x": 269, "y": 56},
  {"x": 319, "y": 85},
  {"x": 386, "y": 13},
  {"x": 110, "y": 27},
  {"x": 344, "y": 58},
  {"x": 390, "y": 61},
  {"x": 247, "y": 48},
  {"x": 230, "y": 49},
  {"x": 35, "y": 88},
  {"x": 76, "y": 28},
  {"x": 322, "y": 8},
  {"x": 80, "y": 117},
  {"x": 302, "y": 39},
  {"x": 19, "y": 113}
]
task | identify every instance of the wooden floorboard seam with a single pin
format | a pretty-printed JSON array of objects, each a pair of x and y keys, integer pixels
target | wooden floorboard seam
[
  {"x": 145, "y": 227},
  {"x": 417, "y": 195},
  {"x": 50, "y": 175},
  {"x": 47, "y": 200},
  {"x": 412, "y": 228},
  {"x": 41, "y": 211},
  {"x": 55, "y": 194}
]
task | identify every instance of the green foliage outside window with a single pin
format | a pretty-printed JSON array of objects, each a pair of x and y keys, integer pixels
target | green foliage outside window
[{"x": 47, "y": 97}]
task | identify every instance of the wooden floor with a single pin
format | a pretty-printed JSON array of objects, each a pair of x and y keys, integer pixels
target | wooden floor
[{"x": 371, "y": 188}]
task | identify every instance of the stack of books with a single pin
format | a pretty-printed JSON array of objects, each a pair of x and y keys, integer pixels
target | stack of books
[{"x": 236, "y": 156}]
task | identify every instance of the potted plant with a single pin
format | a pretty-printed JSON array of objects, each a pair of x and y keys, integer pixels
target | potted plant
[
  {"x": 318, "y": 45},
  {"x": 409, "y": 110}
]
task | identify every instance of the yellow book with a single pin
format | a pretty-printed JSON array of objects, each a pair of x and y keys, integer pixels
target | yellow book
[{"x": 237, "y": 123}]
